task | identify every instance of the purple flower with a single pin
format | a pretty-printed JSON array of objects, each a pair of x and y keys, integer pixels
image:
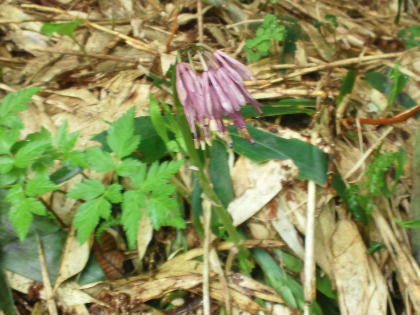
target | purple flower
[{"x": 218, "y": 91}]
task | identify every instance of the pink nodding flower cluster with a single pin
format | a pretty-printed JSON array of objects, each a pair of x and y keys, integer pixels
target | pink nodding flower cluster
[{"x": 219, "y": 90}]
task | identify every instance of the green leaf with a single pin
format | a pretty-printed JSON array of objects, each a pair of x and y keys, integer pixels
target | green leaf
[
  {"x": 63, "y": 140},
  {"x": 139, "y": 176},
  {"x": 66, "y": 28},
  {"x": 159, "y": 175},
  {"x": 220, "y": 173},
  {"x": 88, "y": 215},
  {"x": 16, "y": 102},
  {"x": 65, "y": 173},
  {"x": 21, "y": 219},
  {"x": 15, "y": 193},
  {"x": 399, "y": 80},
  {"x": 121, "y": 137},
  {"x": 128, "y": 167},
  {"x": 30, "y": 151},
  {"x": 6, "y": 164},
  {"x": 163, "y": 210},
  {"x": 151, "y": 147},
  {"x": 282, "y": 107},
  {"x": 413, "y": 224},
  {"x": 352, "y": 198},
  {"x": 113, "y": 193},
  {"x": 20, "y": 214},
  {"x": 347, "y": 86},
  {"x": 133, "y": 202},
  {"x": 76, "y": 158},
  {"x": 308, "y": 158},
  {"x": 8, "y": 139},
  {"x": 158, "y": 120},
  {"x": 99, "y": 160},
  {"x": 410, "y": 36},
  {"x": 39, "y": 186},
  {"x": 87, "y": 190}
]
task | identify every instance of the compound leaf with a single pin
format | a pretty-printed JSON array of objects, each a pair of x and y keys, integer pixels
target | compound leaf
[{"x": 87, "y": 190}]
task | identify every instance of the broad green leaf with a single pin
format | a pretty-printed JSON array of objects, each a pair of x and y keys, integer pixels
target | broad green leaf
[
  {"x": 121, "y": 138},
  {"x": 87, "y": 190},
  {"x": 378, "y": 80},
  {"x": 39, "y": 186},
  {"x": 158, "y": 120},
  {"x": 413, "y": 224},
  {"x": 88, "y": 215},
  {"x": 66, "y": 28},
  {"x": 308, "y": 158},
  {"x": 347, "y": 85},
  {"x": 30, "y": 151},
  {"x": 128, "y": 167},
  {"x": 65, "y": 173},
  {"x": 16, "y": 102},
  {"x": 63, "y": 140},
  {"x": 163, "y": 210},
  {"x": 113, "y": 193},
  {"x": 99, "y": 160},
  {"x": 133, "y": 203},
  {"x": 6, "y": 164},
  {"x": 220, "y": 173},
  {"x": 7, "y": 304},
  {"x": 282, "y": 107}
]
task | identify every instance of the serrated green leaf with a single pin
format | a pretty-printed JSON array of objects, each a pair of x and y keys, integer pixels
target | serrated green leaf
[
  {"x": 30, "y": 151},
  {"x": 113, "y": 193},
  {"x": 121, "y": 138},
  {"x": 16, "y": 102},
  {"x": 133, "y": 203},
  {"x": 6, "y": 164},
  {"x": 66, "y": 28},
  {"x": 163, "y": 210},
  {"x": 139, "y": 176},
  {"x": 15, "y": 174},
  {"x": 7, "y": 139},
  {"x": 39, "y": 186},
  {"x": 20, "y": 214},
  {"x": 99, "y": 160},
  {"x": 63, "y": 140},
  {"x": 21, "y": 219},
  {"x": 128, "y": 167},
  {"x": 158, "y": 175},
  {"x": 87, "y": 190},
  {"x": 76, "y": 158},
  {"x": 88, "y": 215},
  {"x": 12, "y": 121},
  {"x": 15, "y": 193}
]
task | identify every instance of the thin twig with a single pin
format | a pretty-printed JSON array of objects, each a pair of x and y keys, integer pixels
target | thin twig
[
  {"x": 52, "y": 308},
  {"x": 206, "y": 251},
  {"x": 174, "y": 28},
  {"x": 340, "y": 63},
  {"x": 129, "y": 40},
  {"x": 200, "y": 21},
  {"x": 309, "y": 265}
]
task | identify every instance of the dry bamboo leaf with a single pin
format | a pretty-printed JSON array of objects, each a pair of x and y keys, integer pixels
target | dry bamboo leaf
[
  {"x": 323, "y": 48},
  {"x": 266, "y": 183},
  {"x": 361, "y": 286}
]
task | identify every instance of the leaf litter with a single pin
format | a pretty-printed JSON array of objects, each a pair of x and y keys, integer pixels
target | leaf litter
[{"x": 126, "y": 58}]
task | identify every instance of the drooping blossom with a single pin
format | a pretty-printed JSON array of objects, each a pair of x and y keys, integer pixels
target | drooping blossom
[{"x": 219, "y": 90}]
